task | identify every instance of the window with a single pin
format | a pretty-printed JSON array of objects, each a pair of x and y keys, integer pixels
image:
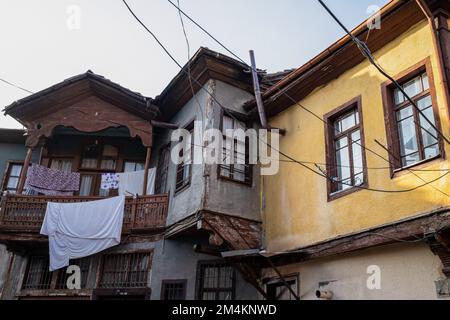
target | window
[
  {"x": 11, "y": 180},
  {"x": 97, "y": 159},
  {"x": 37, "y": 275},
  {"x": 96, "y": 156},
  {"x": 412, "y": 138},
  {"x": 162, "y": 170},
  {"x": 235, "y": 162},
  {"x": 277, "y": 289},
  {"x": 345, "y": 154},
  {"x": 61, "y": 164},
  {"x": 216, "y": 281},
  {"x": 133, "y": 166},
  {"x": 184, "y": 169},
  {"x": 125, "y": 270},
  {"x": 173, "y": 290}
]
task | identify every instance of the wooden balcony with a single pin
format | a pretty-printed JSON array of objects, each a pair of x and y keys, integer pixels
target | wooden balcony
[{"x": 24, "y": 214}]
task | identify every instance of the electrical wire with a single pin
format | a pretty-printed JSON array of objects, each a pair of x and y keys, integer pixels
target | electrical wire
[
  {"x": 298, "y": 103},
  {"x": 15, "y": 86},
  {"x": 365, "y": 51},
  {"x": 272, "y": 148}
]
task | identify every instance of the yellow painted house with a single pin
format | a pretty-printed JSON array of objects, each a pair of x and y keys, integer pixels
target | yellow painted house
[{"x": 366, "y": 215}]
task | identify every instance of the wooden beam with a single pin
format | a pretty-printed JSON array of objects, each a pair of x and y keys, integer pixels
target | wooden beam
[
  {"x": 165, "y": 125},
  {"x": 146, "y": 169},
  {"x": 23, "y": 173}
]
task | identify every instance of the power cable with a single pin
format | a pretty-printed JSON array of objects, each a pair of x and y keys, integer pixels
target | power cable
[
  {"x": 232, "y": 116},
  {"x": 298, "y": 103}
]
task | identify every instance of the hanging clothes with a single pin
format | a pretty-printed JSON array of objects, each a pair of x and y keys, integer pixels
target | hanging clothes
[
  {"x": 132, "y": 183},
  {"x": 52, "y": 182},
  {"x": 110, "y": 181},
  {"x": 78, "y": 230}
]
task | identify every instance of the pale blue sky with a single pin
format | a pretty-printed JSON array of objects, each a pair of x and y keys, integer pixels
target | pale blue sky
[{"x": 38, "y": 49}]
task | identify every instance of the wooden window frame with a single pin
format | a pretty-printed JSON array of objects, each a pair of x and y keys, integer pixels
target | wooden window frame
[
  {"x": 199, "y": 284},
  {"x": 188, "y": 181},
  {"x": 279, "y": 282},
  {"x": 330, "y": 136},
  {"x": 393, "y": 139},
  {"x": 102, "y": 145},
  {"x": 51, "y": 159},
  {"x": 168, "y": 282},
  {"x": 7, "y": 173},
  {"x": 129, "y": 160},
  {"x": 249, "y": 172}
]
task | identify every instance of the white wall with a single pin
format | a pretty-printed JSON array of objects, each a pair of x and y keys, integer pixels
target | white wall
[{"x": 408, "y": 271}]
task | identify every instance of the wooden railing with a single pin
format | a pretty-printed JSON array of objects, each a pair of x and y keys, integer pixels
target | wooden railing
[{"x": 20, "y": 213}]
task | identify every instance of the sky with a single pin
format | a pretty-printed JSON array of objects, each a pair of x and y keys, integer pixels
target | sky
[{"x": 44, "y": 42}]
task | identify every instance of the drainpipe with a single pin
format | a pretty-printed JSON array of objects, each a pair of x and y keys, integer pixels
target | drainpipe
[{"x": 438, "y": 50}]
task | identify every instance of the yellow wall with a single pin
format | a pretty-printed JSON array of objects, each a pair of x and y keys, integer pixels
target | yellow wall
[{"x": 297, "y": 212}]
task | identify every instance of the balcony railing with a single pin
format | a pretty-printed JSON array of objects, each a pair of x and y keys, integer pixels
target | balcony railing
[{"x": 20, "y": 213}]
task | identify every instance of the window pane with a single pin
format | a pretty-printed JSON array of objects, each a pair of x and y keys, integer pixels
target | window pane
[
  {"x": 432, "y": 151},
  {"x": 411, "y": 159},
  {"x": 62, "y": 165},
  {"x": 341, "y": 143},
  {"x": 429, "y": 134},
  {"x": 425, "y": 103},
  {"x": 108, "y": 164},
  {"x": 89, "y": 163},
  {"x": 15, "y": 170},
  {"x": 405, "y": 113},
  {"x": 413, "y": 87},
  {"x": 131, "y": 166},
  {"x": 408, "y": 139},
  {"x": 12, "y": 183},
  {"x": 347, "y": 122},
  {"x": 425, "y": 82},
  {"x": 343, "y": 164},
  {"x": 86, "y": 185},
  {"x": 398, "y": 97},
  {"x": 359, "y": 179},
  {"x": 357, "y": 157},
  {"x": 356, "y": 136}
]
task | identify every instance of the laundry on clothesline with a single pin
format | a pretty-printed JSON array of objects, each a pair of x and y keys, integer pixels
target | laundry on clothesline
[
  {"x": 51, "y": 182},
  {"x": 110, "y": 181},
  {"x": 78, "y": 230},
  {"x": 132, "y": 183}
]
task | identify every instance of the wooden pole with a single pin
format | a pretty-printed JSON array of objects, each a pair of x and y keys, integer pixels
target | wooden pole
[
  {"x": 258, "y": 96},
  {"x": 23, "y": 174},
  {"x": 146, "y": 169},
  {"x": 259, "y": 101}
]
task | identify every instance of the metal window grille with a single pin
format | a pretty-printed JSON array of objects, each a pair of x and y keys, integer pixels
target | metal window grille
[
  {"x": 216, "y": 281},
  {"x": 125, "y": 270},
  {"x": 37, "y": 276},
  {"x": 173, "y": 290}
]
